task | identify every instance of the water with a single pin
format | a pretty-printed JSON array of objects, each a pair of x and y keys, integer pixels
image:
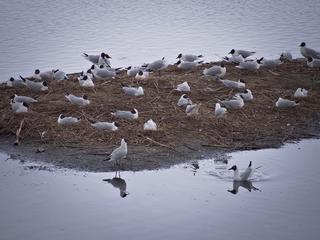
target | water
[
  {"x": 175, "y": 203},
  {"x": 47, "y": 34}
]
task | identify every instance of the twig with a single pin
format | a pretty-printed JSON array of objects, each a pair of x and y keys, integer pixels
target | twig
[
  {"x": 161, "y": 144},
  {"x": 18, "y": 133}
]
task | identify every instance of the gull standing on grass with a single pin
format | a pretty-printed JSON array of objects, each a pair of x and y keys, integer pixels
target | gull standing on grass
[
  {"x": 130, "y": 115},
  {"x": 104, "y": 60},
  {"x": 285, "y": 103},
  {"x": 301, "y": 93},
  {"x": 35, "y": 86},
  {"x": 63, "y": 120},
  {"x": 184, "y": 100},
  {"x": 215, "y": 71},
  {"x": 189, "y": 57},
  {"x": 219, "y": 111},
  {"x": 308, "y": 52},
  {"x": 119, "y": 153}
]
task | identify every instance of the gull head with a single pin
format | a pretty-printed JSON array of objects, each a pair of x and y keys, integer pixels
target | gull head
[
  {"x": 303, "y": 44},
  {"x": 234, "y": 167}
]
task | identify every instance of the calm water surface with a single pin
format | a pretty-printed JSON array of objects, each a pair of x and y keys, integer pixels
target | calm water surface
[
  {"x": 52, "y": 34},
  {"x": 176, "y": 203}
]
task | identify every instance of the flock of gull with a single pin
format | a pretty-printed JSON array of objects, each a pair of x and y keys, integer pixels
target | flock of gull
[{"x": 101, "y": 69}]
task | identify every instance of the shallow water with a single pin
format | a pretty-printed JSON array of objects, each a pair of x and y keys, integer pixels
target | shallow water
[
  {"x": 47, "y": 34},
  {"x": 175, "y": 203}
]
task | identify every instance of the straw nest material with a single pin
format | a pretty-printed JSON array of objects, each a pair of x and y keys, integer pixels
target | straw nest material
[{"x": 258, "y": 124}]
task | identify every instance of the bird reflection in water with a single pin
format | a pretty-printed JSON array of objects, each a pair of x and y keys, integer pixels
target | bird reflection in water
[
  {"x": 119, "y": 183},
  {"x": 245, "y": 184}
]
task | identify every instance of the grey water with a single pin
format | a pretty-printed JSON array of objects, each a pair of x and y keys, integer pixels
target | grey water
[
  {"x": 52, "y": 34},
  {"x": 281, "y": 202}
]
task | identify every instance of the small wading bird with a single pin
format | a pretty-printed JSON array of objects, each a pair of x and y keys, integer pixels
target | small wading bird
[
  {"x": 244, "y": 176},
  {"x": 119, "y": 153}
]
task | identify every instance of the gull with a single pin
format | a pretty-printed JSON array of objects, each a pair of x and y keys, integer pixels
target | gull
[
  {"x": 46, "y": 76},
  {"x": 119, "y": 153},
  {"x": 234, "y": 103},
  {"x": 250, "y": 65},
  {"x": 193, "y": 109},
  {"x": 308, "y": 52},
  {"x": 246, "y": 95},
  {"x": 130, "y": 115},
  {"x": 132, "y": 71},
  {"x": 104, "y": 59},
  {"x": 80, "y": 101},
  {"x": 133, "y": 91},
  {"x": 286, "y": 56},
  {"x": 270, "y": 63},
  {"x": 301, "y": 93},
  {"x": 243, "y": 53},
  {"x": 150, "y": 125},
  {"x": 110, "y": 126},
  {"x": 233, "y": 84},
  {"x": 35, "y": 86},
  {"x": 219, "y": 111},
  {"x": 244, "y": 176},
  {"x": 234, "y": 59},
  {"x": 157, "y": 65},
  {"x": 63, "y": 120},
  {"x": 141, "y": 75},
  {"x": 183, "y": 87},
  {"x": 86, "y": 81},
  {"x": 59, "y": 75},
  {"x": 184, "y": 65},
  {"x": 13, "y": 82},
  {"x": 184, "y": 100},
  {"x": 93, "y": 58},
  {"x": 313, "y": 63},
  {"x": 189, "y": 57},
  {"x": 18, "y": 107},
  {"x": 119, "y": 183},
  {"x": 17, "y": 98},
  {"x": 102, "y": 73},
  {"x": 285, "y": 103},
  {"x": 215, "y": 71}
]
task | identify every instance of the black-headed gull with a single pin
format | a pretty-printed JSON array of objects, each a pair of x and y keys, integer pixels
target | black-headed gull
[
  {"x": 184, "y": 100},
  {"x": 130, "y": 115},
  {"x": 183, "y": 87},
  {"x": 270, "y": 63},
  {"x": 141, "y": 75},
  {"x": 246, "y": 95},
  {"x": 308, "y": 52},
  {"x": 150, "y": 125},
  {"x": 233, "y": 84},
  {"x": 245, "y": 175},
  {"x": 193, "y": 109},
  {"x": 109, "y": 126},
  {"x": 234, "y": 103},
  {"x": 18, "y": 107},
  {"x": 80, "y": 101},
  {"x": 250, "y": 65},
  {"x": 16, "y": 83},
  {"x": 133, "y": 91},
  {"x": 157, "y": 65},
  {"x": 119, "y": 153},
  {"x": 219, "y": 111},
  {"x": 25, "y": 99},
  {"x": 215, "y": 71},
  {"x": 286, "y": 56},
  {"x": 189, "y": 57},
  {"x": 300, "y": 93},
  {"x": 184, "y": 65},
  {"x": 63, "y": 120},
  {"x": 285, "y": 103},
  {"x": 35, "y": 86},
  {"x": 313, "y": 63},
  {"x": 243, "y": 53},
  {"x": 102, "y": 73}
]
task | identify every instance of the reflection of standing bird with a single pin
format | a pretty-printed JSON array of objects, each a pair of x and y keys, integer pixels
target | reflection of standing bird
[
  {"x": 245, "y": 184},
  {"x": 119, "y": 183}
]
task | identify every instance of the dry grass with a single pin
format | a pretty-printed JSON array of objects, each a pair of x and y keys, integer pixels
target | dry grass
[{"x": 258, "y": 124}]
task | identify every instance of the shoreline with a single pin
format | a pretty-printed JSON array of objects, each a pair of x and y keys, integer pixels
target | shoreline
[{"x": 179, "y": 138}]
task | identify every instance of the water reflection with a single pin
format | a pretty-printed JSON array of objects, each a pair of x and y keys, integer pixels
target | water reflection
[
  {"x": 245, "y": 184},
  {"x": 119, "y": 183}
]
